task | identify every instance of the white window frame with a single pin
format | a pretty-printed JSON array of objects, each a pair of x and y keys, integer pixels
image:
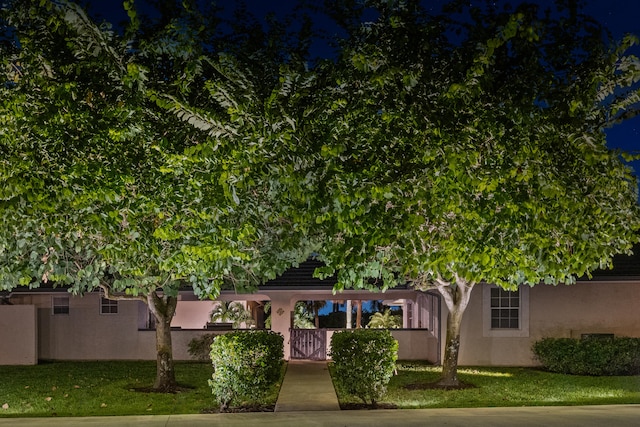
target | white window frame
[
  {"x": 523, "y": 309},
  {"x": 108, "y": 303},
  {"x": 60, "y": 302}
]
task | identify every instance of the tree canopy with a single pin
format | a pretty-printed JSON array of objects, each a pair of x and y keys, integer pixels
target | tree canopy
[
  {"x": 107, "y": 183},
  {"x": 444, "y": 150},
  {"x": 464, "y": 151},
  {"x": 492, "y": 148}
]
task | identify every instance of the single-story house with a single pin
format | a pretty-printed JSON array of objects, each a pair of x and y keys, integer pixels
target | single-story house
[{"x": 498, "y": 328}]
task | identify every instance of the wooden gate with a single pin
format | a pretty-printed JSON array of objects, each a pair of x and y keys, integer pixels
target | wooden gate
[{"x": 309, "y": 344}]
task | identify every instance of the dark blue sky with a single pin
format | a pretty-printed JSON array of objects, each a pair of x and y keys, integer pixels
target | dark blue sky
[{"x": 619, "y": 16}]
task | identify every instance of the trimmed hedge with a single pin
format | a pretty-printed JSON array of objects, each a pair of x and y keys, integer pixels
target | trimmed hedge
[
  {"x": 589, "y": 356},
  {"x": 246, "y": 365},
  {"x": 364, "y": 361}
]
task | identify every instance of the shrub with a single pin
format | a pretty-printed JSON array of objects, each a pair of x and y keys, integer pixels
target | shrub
[
  {"x": 589, "y": 356},
  {"x": 246, "y": 365},
  {"x": 385, "y": 320},
  {"x": 363, "y": 361},
  {"x": 199, "y": 348}
]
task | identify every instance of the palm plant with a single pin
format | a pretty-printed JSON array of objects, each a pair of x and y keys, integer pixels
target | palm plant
[
  {"x": 385, "y": 320},
  {"x": 267, "y": 314},
  {"x": 302, "y": 318},
  {"x": 231, "y": 312},
  {"x": 315, "y": 307}
]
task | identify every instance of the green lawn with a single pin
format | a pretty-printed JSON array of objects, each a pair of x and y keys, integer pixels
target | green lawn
[
  {"x": 99, "y": 388},
  {"x": 506, "y": 387},
  {"x": 109, "y": 388}
]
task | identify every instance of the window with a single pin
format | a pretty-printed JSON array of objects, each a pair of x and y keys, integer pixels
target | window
[
  {"x": 108, "y": 306},
  {"x": 505, "y": 313},
  {"x": 505, "y": 309},
  {"x": 60, "y": 305}
]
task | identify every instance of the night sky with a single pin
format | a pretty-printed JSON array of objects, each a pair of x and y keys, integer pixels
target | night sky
[{"x": 619, "y": 16}]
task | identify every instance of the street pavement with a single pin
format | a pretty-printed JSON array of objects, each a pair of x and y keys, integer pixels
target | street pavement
[{"x": 565, "y": 416}]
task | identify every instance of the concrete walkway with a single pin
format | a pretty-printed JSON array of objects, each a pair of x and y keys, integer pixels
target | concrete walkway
[{"x": 307, "y": 386}]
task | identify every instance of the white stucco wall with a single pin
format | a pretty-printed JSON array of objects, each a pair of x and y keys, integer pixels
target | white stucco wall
[
  {"x": 86, "y": 334},
  {"x": 192, "y": 314},
  {"x": 416, "y": 344},
  {"x": 18, "y": 335},
  {"x": 554, "y": 311}
]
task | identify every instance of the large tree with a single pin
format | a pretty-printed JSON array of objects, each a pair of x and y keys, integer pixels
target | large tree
[
  {"x": 469, "y": 147},
  {"x": 445, "y": 152},
  {"x": 104, "y": 188}
]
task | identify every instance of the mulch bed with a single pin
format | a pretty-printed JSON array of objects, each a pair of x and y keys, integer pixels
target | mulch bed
[
  {"x": 178, "y": 389},
  {"x": 271, "y": 408}
]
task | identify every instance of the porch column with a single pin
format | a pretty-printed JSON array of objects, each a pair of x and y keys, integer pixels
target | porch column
[
  {"x": 281, "y": 308},
  {"x": 406, "y": 308}
]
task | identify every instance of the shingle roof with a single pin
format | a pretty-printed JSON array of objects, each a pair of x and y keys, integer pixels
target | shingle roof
[
  {"x": 301, "y": 276},
  {"x": 625, "y": 267}
]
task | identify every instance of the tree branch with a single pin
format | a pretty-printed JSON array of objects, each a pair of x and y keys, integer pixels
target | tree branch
[{"x": 108, "y": 294}]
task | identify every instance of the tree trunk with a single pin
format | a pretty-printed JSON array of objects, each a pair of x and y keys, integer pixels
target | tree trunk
[
  {"x": 456, "y": 297},
  {"x": 452, "y": 347},
  {"x": 163, "y": 308},
  {"x": 358, "y": 314}
]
